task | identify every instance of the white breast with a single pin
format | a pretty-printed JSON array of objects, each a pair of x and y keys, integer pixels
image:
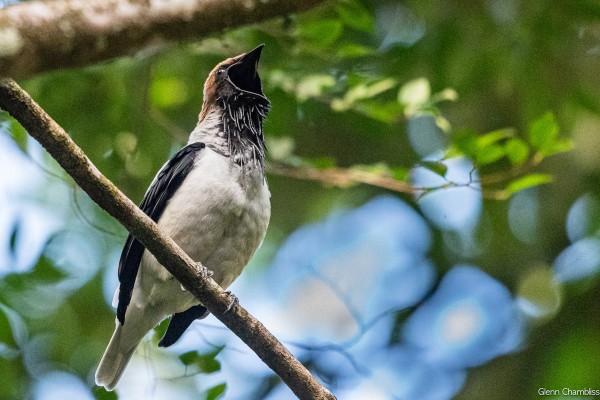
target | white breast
[{"x": 218, "y": 216}]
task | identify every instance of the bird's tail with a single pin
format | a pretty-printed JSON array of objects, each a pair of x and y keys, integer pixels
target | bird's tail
[{"x": 114, "y": 360}]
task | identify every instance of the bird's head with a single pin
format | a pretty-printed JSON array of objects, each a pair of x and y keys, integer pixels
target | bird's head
[
  {"x": 234, "y": 108},
  {"x": 232, "y": 79}
]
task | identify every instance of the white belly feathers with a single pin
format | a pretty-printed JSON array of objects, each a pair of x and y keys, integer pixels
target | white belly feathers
[{"x": 218, "y": 216}]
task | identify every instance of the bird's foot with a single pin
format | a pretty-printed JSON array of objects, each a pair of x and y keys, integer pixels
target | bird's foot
[
  {"x": 204, "y": 273},
  {"x": 233, "y": 301}
]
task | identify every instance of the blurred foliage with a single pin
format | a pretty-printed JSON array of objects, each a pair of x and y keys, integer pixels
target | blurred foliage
[
  {"x": 365, "y": 95},
  {"x": 204, "y": 362}
]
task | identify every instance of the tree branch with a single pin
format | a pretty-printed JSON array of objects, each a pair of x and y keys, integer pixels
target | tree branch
[
  {"x": 37, "y": 36},
  {"x": 340, "y": 177},
  {"x": 56, "y": 141}
]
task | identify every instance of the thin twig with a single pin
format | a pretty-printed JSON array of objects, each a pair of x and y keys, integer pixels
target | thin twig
[
  {"x": 341, "y": 177},
  {"x": 514, "y": 172},
  {"x": 345, "y": 177}
]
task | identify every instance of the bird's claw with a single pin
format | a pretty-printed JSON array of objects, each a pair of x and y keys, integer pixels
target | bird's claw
[
  {"x": 233, "y": 301},
  {"x": 204, "y": 273}
]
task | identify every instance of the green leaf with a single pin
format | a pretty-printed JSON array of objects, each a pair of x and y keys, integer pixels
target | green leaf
[
  {"x": 528, "y": 181},
  {"x": 14, "y": 129},
  {"x": 414, "y": 94},
  {"x": 435, "y": 166},
  {"x": 205, "y": 362},
  {"x": 102, "y": 394},
  {"x": 388, "y": 112},
  {"x": 517, "y": 151},
  {"x": 46, "y": 271},
  {"x": 189, "y": 358},
  {"x": 313, "y": 86},
  {"x": 400, "y": 173},
  {"x": 559, "y": 146},
  {"x": 494, "y": 137},
  {"x": 352, "y": 50},
  {"x": 355, "y": 15},
  {"x": 447, "y": 94},
  {"x": 215, "y": 392},
  {"x": 367, "y": 91},
  {"x": 466, "y": 141},
  {"x": 362, "y": 91},
  {"x": 443, "y": 123},
  {"x": 543, "y": 133},
  {"x": 321, "y": 32},
  {"x": 159, "y": 330},
  {"x": 489, "y": 154}
]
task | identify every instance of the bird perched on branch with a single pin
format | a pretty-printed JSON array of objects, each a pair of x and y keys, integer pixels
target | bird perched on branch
[{"x": 212, "y": 198}]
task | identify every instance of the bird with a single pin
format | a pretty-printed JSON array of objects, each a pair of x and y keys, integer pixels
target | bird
[{"x": 212, "y": 198}]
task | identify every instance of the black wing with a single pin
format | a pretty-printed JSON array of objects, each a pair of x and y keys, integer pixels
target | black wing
[{"x": 165, "y": 184}]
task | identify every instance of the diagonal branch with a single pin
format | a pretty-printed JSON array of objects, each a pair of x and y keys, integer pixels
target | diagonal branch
[
  {"x": 38, "y": 36},
  {"x": 56, "y": 141}
]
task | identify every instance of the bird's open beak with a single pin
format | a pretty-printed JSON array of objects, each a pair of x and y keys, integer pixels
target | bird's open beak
[{"x": 244, "y": 74}]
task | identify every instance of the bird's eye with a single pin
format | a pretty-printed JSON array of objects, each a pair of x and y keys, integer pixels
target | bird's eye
[{"x": 220, "y": 71}]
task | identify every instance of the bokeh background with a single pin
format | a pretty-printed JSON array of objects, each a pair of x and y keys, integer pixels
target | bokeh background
[{"x": 481, "y": 284}]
